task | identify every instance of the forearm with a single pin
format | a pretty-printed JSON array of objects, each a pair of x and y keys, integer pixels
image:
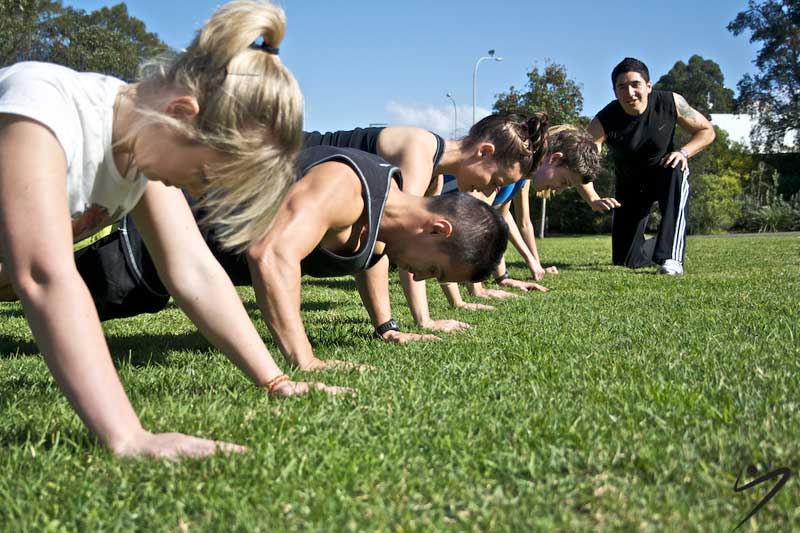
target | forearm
[
  {"x": 373, "y": 287},
  {"x": 66, "y": 327},
  {"x": 277, "y": 289},
  {"x": 209, "y": 299},
  {"x": 699, "y": 141},
  {"x": 526, "y": 230},
  {"x": 417, "y": 298},
  {"x": 587, "y": 192},
  {"x": 475, "y": 289},
  {"x": 452, "y": 293},
  {"x": 500, "y": 270},
  {"x": 518, "y": 242}
]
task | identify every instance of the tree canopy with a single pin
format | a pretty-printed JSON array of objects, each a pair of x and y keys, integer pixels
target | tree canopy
[
  {"x": 550, "y": 90},
  {"x": 772, "y": 95},
  {"x": 702, "y": 84},
  {"x": 108, "y": 40}
]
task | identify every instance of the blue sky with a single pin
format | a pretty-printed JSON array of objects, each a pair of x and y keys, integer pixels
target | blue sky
[{"x": 376, "y": 61}]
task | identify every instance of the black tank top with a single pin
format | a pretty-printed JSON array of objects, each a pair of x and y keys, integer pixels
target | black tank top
[
  {"x": 375, "y": 175},
  {"x": 365, "y": 139},
  {"x": 637, "y": 143}
]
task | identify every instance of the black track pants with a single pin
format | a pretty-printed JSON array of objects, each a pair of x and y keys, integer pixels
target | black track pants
[{"x": 670, "y": 188}]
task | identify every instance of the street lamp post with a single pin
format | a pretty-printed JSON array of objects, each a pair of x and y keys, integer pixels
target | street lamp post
[
  {"x": 475, "y": 80},
  {"x": 455, "y": 115}
]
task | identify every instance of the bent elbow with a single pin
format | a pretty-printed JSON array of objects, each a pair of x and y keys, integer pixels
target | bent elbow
[{"x": 32, "y": 282}]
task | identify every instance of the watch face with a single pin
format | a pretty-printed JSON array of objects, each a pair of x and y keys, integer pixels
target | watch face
[{"x": 390, "y": 325}]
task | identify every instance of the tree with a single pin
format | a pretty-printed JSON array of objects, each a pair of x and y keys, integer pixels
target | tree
[
  {"x": 553, "y": 92},
  {"x": 23, "y": 26},
  {"x": 550, "y": 91},
  {"x": 129, "y": 32},
  {"x": 108, "y": 40},
  {"x": 702, "y": 84},
  {"x": 773, "y": 95}
]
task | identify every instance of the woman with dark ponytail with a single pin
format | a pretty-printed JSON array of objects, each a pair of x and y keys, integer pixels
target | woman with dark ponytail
[
  {"x": 572, "y": 160},
  {"x": 498, "y": 150}
]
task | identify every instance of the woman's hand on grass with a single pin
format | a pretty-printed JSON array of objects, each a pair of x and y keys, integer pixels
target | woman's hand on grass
[
  {"x": 173, "y": 447},
  {"x": 475, "y": 307},
  {"x": 537, "y": 271},
  {"x": 300, "y": 388},
  {"x": 496, "y": 293},
  {"x": 445, "y": 325},
  {"x": 402, "y": 337},
  {"x": 522, "y": 285},
  {"x": 316, "y": 364}
]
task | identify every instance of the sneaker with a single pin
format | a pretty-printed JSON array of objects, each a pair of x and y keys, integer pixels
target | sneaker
[{"x": 671, "y": 268}]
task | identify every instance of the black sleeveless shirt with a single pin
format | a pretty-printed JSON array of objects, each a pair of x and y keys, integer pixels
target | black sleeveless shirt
[
  {"x": 637, "y": 143},
  {"x": 365, "y": 139},
  {"x": 375, "y": 175}
]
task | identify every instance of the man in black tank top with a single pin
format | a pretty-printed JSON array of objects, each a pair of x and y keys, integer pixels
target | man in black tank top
[
  {"x": 639, "y": 127},
  {"x": 345, "y": 210},
  {"x": 328, "y": 213}
]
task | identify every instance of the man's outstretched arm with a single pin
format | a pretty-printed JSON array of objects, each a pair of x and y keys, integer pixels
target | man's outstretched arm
[
  {"x": 328, "y": 197},
  {"x": 586, "y": 190},
  {"x": 373, "y": 287}
]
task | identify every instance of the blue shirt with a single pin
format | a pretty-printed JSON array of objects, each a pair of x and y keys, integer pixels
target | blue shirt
[{"x": 504, "y": 193}]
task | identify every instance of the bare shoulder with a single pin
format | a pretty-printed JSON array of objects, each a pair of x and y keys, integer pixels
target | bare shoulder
[
  {"x": 332, "y": 189},
  {"x": 398, "y": 142},
  {"x": 596, "y": 130}
]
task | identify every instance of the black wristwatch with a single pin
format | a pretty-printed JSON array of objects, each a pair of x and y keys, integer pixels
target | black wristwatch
[
  {"x": 389, "y": 325},
  {"x": 499, "y": 279}
]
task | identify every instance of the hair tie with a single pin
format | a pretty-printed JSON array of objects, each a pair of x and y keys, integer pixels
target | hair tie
[
  {"x": 270, "y": 49},
  {"x": 265, "y": 47}
]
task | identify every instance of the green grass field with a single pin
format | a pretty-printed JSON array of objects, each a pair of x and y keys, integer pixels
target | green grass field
[{"x": 618, "y": 400}]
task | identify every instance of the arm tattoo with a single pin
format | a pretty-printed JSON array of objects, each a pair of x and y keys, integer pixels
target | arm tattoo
[{"x": 687, "y": 113}]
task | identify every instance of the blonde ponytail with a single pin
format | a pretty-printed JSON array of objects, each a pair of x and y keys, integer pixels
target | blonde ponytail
[{"x": 251, "y": 110}]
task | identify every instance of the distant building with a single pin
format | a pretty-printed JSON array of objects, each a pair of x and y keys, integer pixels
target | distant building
[{"x": 738, "y": 129}]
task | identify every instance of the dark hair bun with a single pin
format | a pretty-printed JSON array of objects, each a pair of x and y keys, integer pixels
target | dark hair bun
[{"x": 536, "y": 126}]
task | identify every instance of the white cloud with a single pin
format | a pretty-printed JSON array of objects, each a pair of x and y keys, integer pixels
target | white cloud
[{"x": 436, "y": 119}]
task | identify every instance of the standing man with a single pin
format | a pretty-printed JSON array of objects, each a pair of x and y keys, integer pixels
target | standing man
[{"x": 638, "y": 127}]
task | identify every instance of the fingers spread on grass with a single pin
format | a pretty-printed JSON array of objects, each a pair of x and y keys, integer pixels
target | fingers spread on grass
[
  {"x": 176, "y": 446},
  {"x": 335, "y": 364},
  {"x": 300, "y": 388},
  {"x": 402, "y": 337}
]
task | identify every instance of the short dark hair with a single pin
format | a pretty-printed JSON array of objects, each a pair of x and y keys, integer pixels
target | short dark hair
[
  {"x": 480, "y": 235},
  {"x": 629, "y": 64},
  {"x": 580, "y": 152}
]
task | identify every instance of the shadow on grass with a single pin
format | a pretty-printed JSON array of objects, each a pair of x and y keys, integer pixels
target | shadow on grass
[
  {"x": 522, "y": 265},
  {"x": 12, "y": 312},
  {"x": 345, "y": 284},
  {"x": 138, "y": 350},
  {"x": 307, "y": 306},
  {"x": 11, "y": 348},
  {"x": 78, "y": 440},
  {"x": 578, "y": 267}
]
